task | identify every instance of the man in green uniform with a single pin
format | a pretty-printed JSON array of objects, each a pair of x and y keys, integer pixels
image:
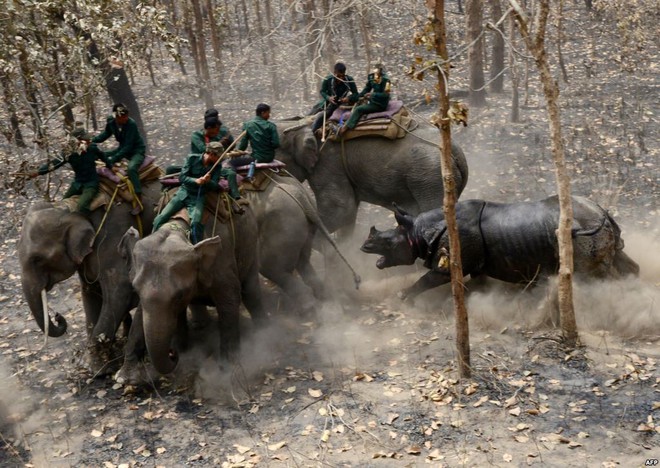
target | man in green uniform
[
  {"x": 336, "y": 89},
  {"x": 131, "y": 146},
  {"x": 262, "y": 137},
  {"x": 82, "y": 160},
  {"x": 213, "y": 130},
  {"x": 196, "y": 181},
  {"x": 377, "y": 90}
]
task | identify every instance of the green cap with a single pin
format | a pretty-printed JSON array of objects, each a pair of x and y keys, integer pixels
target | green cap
[{"x": 215, "y": 147}]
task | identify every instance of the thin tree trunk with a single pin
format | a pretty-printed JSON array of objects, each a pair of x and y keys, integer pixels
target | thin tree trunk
[
  {"x": 13, "y": 133},
  {"x": 474, "y": 16},
  {"x": 515, "y": 74},
  {"x": 449, "y": 202},
  {"x": 551, "y": 90},
  {"x": 177, "y": 27},
  {"x": 366, "y": 38},
  {"x": 497, "y": 59},
  {"x": 560, "y": 40},
  {"x": 215, "y": 38},
  {"x": 205, "y": 77},
  {"x": 274, "y": 76}
]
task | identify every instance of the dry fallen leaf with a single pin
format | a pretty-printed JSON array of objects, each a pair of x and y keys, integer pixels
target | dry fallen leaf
[
  {"x": 515, "y": 411},
  {"x": 241, "y": 449},
  {"x": 318, "y": 376},
  {"x": 290, "y": 389},
  {"x": 414, "y": 450},
  {"x": 315, "y": 393},
  {"x": 277, "y": 446},
  {"x": 97, "y": 433},
  {"x": 391, "y": 417},
  {"x": 507, "y": 458},
  {"x": 480, "y": 401}
]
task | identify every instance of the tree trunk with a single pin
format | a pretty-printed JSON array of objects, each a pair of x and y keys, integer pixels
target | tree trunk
[
  {"x": 497, "y": 58},
  {"x": 551, "y": 90},
  {"x": 560, "y": 39},
  {"x": 13, "y": 133},
  {"x": 177, "y": 27},
  {"x": 366, "y": 38},
  {"x": 215, "y": 38},
  {"x": 515, "y": 73},
  {"x": 474, "y": 16},
  {"x": 449, "y": 202},
  {"x": 119, "y": 90},
  {"x": 274, "y": 76},
  {"x": 204, "y": 75}
]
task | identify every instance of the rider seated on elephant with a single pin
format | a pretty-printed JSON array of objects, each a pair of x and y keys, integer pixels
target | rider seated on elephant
[
  {"x": 261, "y": 135},
  {"x": 131, "y": 147},
  {"x": 82, "y": 160},
  {"x": 213, "y": 130},
  {"x": 336, "y": 89},
  {"x": 377, "y": 90},
  {"x": 197, "y": 179}
]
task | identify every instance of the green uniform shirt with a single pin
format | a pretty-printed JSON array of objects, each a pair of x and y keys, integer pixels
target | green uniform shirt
[
  {"x": 83, "y": 165},
  {"x": 331, "y": 86},
  {"x": 194, "y": 168},
  {"x": 198, "y": 139},
  {"x": 262, "y": 136},
  {"x": 378, "y": 94},
  {"x": 128, "y": 136}
]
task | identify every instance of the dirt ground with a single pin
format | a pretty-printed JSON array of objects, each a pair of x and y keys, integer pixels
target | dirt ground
[{"x": 368, "y": 380}]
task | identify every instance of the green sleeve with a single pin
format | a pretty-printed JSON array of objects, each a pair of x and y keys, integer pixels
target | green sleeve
[
  {"x": 197, "y": 143},
  {"x": 275, "y": 137},
  {"x": 244, "y": 141},
  {"x": 326, "y": 92},
  {"x": 52, "y": 165},
  {"x": 131, "y": 141},
  {"x": 185, "y": 177},
  {"x": 104, "y": 135}
]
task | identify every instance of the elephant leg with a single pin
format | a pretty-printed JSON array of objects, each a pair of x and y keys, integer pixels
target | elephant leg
[
  {"x": 116, "y": 305},
  {"x": 293, "y": 286},
  {"x": 227, "y": 300},
  {"x": 308, "y": 273},
  {"x": 133, "y": 371},
  {"x": 92, "y": 299},
  {"x": 251, "y": 296},
  {"x": 199, "y": 316},
  {"x": 430, "y": 280}
]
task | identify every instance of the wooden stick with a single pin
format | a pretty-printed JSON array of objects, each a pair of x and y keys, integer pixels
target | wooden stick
[
  {"x": 222, "y": 156},
  {"x": 325, "y": 103}
]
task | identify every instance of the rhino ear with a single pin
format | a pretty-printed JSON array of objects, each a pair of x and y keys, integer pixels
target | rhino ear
[
  {"x": 404, "y": 220},
  {"x": 432, "y": 234},
  {"x": 373, "y": 231}
]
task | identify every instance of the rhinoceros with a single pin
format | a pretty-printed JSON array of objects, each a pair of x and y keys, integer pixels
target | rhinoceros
[{"x": 512, "y": 242}]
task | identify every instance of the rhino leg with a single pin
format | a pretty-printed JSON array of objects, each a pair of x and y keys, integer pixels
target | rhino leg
[{"x": 431, "y": 279}]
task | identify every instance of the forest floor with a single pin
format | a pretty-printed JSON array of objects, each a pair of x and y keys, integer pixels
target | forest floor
[{"x": 368, "y": 380}]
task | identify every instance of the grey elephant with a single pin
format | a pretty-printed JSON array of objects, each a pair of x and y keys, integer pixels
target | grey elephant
[
  {"x": 169, "y": 274},
  {"x": 375, "y": 170},
  {"x": 288, "y": 220},
  {"x": 56, "y": 243},
  {"x": 512, "y": 242}
]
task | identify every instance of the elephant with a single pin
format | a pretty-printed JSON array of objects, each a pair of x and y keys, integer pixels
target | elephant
[
  {"x": 56, "y": 243},
  {"x": 511, "y": 242},
  {"x": 288, "y": 219},
  {"x": 372, "y": 169},
  {"x": 169, "y": 274}
]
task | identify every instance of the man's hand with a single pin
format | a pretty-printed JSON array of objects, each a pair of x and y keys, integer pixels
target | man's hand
[
  {"x": 204, "y": 179},
  {"x": 32, "y": 175},
  {"x": 332, "y": 99}
]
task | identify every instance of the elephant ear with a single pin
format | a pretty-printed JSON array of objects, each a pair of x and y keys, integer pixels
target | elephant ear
[
  {"x": 207, "y": 252},
  {"x": 127, "y": 243},
  {"x": 306, "y": 150},
  {"x": 79, "y": 240}
]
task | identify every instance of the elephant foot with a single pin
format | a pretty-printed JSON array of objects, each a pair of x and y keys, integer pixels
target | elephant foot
[
  {"x": 103, "y": 359},
  {"x": 133, "y": 373}
]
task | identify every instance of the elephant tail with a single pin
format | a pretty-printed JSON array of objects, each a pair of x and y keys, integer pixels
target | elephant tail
[{"x": 312, "y": 215}]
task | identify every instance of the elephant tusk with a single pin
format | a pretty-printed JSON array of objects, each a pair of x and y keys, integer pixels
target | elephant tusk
[{"x": 44, "y": 303}]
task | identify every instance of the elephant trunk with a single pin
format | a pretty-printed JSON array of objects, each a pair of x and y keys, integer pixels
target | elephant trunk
[
  {"x": 36, "y": 298},
  {"x": 158, "y": 334}
]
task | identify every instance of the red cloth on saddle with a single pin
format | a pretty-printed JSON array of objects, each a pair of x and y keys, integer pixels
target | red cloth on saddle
[
  {"x": 392, "y": 108},
  {"x": 109, "y": 174}
]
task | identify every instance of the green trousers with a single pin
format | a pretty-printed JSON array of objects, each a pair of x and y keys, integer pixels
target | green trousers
[
  {"x": 195, "y": 206},
  {"x": 87, "y": 193},
  {"x": 134, "y": 163},
  {"x": 359, "y": 111}
]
